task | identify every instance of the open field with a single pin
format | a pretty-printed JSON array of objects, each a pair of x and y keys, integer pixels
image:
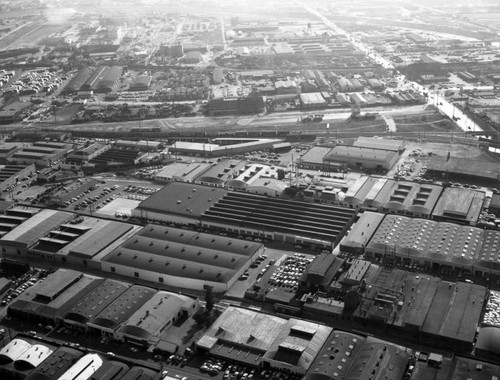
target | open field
[
  {"x": 28, "y": 35},
  {"x": 425, "y": 122}
]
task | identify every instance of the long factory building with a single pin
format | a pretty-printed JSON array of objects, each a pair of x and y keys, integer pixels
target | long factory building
[{"x": 427, "y": 243}]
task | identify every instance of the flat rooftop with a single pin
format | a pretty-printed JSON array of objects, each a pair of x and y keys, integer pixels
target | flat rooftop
[
  {"x": 460, "y": 203},
  {"x": 315, "y": 155},
  {"x": 348, "y": 153},
  {"x": 465, "y": 166},
  {"x": 362, "y": 231},
  {"x": 57, "y": 282},
  {"x": 181, "y": 170},
  {"x": 378, "y": 143},
  {"x": 102, "y": 234},
  {"x": 243, "y": 327},
  {"x": 181, "y": 198}
]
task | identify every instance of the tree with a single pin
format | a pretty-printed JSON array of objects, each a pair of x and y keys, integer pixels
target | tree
[
  {"x": 209, "y": 298},
  {"x": 281, "y": 174}
]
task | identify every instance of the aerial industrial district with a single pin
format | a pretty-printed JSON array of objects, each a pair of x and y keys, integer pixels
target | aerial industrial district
[{"x": 261, "y": 191}]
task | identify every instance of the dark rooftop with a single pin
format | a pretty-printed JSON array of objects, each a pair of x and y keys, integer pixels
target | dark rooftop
[
  {"x": 317, "y": 221},
  {"x": 97, "y": 300},
  {"x": 184, "y": 253},
  {"x": 110, "y": 370},
  {"x": 123, "y": 307},
  {"x": 465, "y": 166},
  {"x": 181, "y": 198},
  {"x": 140, "y": 373},
  {"x": 56, "y": 364}
]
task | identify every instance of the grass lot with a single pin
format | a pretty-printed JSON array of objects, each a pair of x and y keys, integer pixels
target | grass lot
[{"x": 425, "y": 122}]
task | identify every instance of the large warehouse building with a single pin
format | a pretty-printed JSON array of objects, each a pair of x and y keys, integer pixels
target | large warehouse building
[
  {"x": 222, "y": 146},
  {"x": 110, "y": 308},
  {"x": 364, "y": 153},
  {"x": 154, "y": 317},
  {"x": 459, "y": 205},
  {"x": 395, "y": 197},
  {"x": 358, "y": 357},
  {"x": 256, "y": 339},
  {"x": 422, "y": 308},
  {"x": 179, "y": 202},
  {"x": 248, "y": 214},
  {"x": 426, "y": 243},
  {"x": 450, "y": 168},
  {"x": 279, "y": 219},
  {"x": 363, "y": 158},
  {"x": 58, "y": 236},
  {"x": 41, "y": 153},
  {"x": 182, "y": 258}
]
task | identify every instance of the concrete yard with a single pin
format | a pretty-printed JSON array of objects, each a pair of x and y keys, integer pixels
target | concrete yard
[{"x": 120, "y": 205}]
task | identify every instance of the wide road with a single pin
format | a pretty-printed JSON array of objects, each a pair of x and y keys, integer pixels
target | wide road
[
  {"x": 463, "y": 121},
  {"x": 449, "y": 109}
]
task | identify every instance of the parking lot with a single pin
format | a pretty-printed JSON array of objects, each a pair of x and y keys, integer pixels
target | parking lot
[
  {"x": 289, "y": 271},
  {"x": 236, "y": 371},
  {"x": 112, "y": 197},
  {"x": 22, "y": 190},
  {"x": 19, "y": 285},
  {"x": 275, "y": 269}
]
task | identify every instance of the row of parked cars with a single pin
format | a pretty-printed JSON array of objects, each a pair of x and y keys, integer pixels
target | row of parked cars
[
  {"x": 212, "y": 366},
  {"x": 20, "y": 285},
  {"x": 176, "y": 360},
  {"x": 141, "y": 189},
  {"x": 238, "y": 372},
  {"x": 87, "y": 202},
  {"x": 232, "y": 371}
]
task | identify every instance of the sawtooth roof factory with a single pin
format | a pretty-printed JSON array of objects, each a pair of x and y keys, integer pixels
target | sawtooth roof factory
[
  {"x": 248, "y": 214},
  {"x": 58, "y": 236}
]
